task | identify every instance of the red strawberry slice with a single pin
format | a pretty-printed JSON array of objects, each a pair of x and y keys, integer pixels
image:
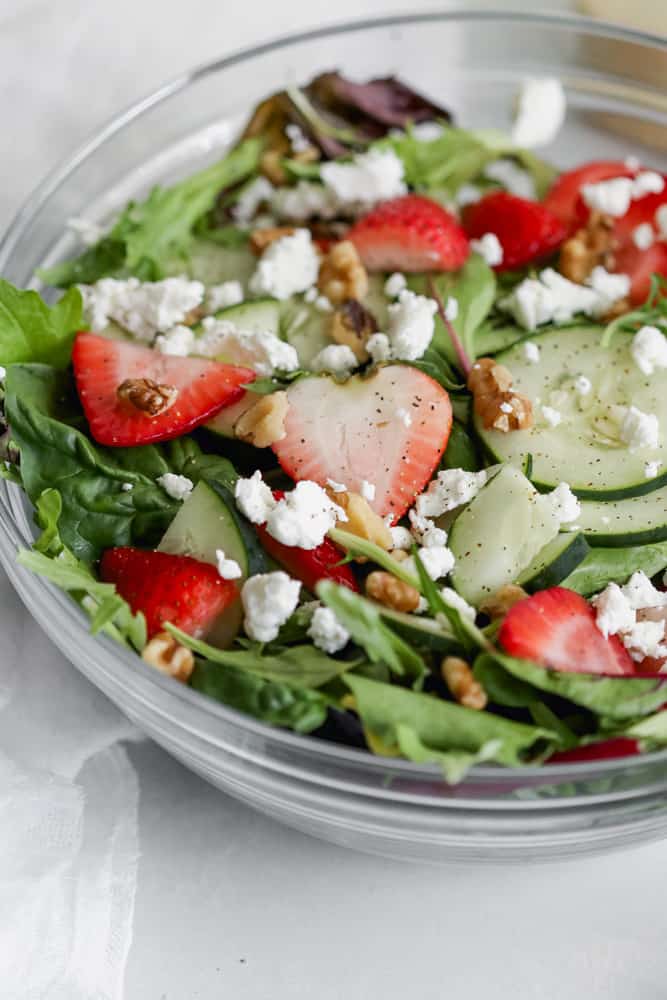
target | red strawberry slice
[
  {"x": 605, "y": 750},
  {"x": 564, "y": 198},
  {"x": 640, "y": 265},
  {"x": 641, "y": 210},
  {"x": 102, "y": 365},
  {"x": 310, "y": 565},
  {"x": 357, "y": 431},
  {"x": 410, "y": 234},
  {"x": 556, "y": 628},
  {"x": 168, "y": 588},
  {"x": 526, "y": 230}
]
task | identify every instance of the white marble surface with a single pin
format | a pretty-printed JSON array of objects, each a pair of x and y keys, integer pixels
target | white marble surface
[{"x": 230, "y": 905}]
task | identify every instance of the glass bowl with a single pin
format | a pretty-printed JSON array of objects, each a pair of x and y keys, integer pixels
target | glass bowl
[{"x": 616, "y": 81}]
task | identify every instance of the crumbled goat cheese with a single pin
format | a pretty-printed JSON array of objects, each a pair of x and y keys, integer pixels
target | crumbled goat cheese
[
  {"x": 645, "y": 638},
  {"x": 287, "y": 266},
  {"x": 311, "y": 294},
  {"x": 143, "y": 308},
  {"x": 531, "y": 352},
  {"x": 401, "y": 538},
  {"x": 438, "y": 561},
  {"x": 127, "y": 487},
  {"x": 639, "y": 430},
  {"x": 513, "y": 178},
  {"x": 404, "y": 416},
  {"x": 306, "y": 200},
  {"x": 394, "y": 285},
  {"x": 251, "y": 197},
  {"x": 506, "y": 408},
  {"x": 609, "y": 288},
  {"x": 459, "y": 603},
  {"x": 426, "y": 531},
  {"x": 411, "y": 325},
  {"x": 367, "y": 490},
  {"x": 648, "y": 182},
  {"x": 337, "y": 358},
  {"x": 3, "y": 373},
  {"x": 177, "y": 342},
  {"x": 467, "y": 194},
  {"x": 175, "y": 486},
  {"x": 262, "y": 351},
  {"x": 651, "y": 469},
  {"x": 614, "y": 613},
  {"x": 299, "y": 141},
  {"x": 641, "y": 593},
  {"x": 649, "y": 349},
  {"x": 553, "y": 298},
  {"x": 370, "y": 177},
  {"x": 632, "y": 163},
  {"x": 228, "y": 569},
  {"x": 427, "y": 131},
  {"x": 322, "y": 304},
  {"x": 661, "y": 221},
  {"x": 450, "y": 489},
  {"x": 89, "y": 233},
  {"x": 304, "y": 516},
  {"x": 614, "y": 196},
  {"x": 617, "y": 610},
  {"x": 540, "y": 113},
  {"x": 268, "y": 601},
  {"x": 451, "y": 308},
  {"x": 643, "y": 236},
  {"x": 379, "y": 348},
  {"x": 564, "y": 504},
  {"x": 229, "y": 293},
  {"x": 582, "y": 385},
  {"x": 327, "y": 632},
  {"x": 490, "y": 248},
  {"x": 551, "y": 416},
  {"x": 336, "y": 487},
  {"x": 254, "y": 498}
]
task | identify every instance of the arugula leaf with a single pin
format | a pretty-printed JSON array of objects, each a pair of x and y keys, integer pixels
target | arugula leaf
[
  {"x": 363, "y": 621},
  {"x": 30, "y": 330},
  {"x": 603, "y": 566},
  {"x": 97, "y": 511},
  {"x": 356, "y": 546},
  {"x": 423, "y": 724},
  {"x": 52, "y": 559},
  {"x": 305, "y": 666},
  {"x": 446, "y": 162},
  {"x": 279, "y": 704},
  {"x": 465, "y": 631},
  {"x": 652, "y": 313},
  {"x": 148, "y": 234}
]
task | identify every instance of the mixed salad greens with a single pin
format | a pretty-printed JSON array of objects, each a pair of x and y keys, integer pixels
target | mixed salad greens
[{"x": 362, "y": 431}]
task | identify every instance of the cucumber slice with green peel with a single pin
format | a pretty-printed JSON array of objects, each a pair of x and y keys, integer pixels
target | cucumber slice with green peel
[
  {"x": 584, "y": 449},
  {"x": 255, "y": 316},
  {"x": 631, "y": 521},
  {"x": 306, "y": 329},
  {"x": 554, "y": 562},
  {"x": 420, "y": 631},
  {"x": 223, "y": 423},
  {"x": 499, "y": 534},
  {"x": 211, "y": 263}
]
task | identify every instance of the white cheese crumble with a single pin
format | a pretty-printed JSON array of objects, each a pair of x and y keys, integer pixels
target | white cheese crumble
[
  {"x": 426, "y": 531},
  {"x": 323, "y": 304},
  {"x": 614, "y": 196},
  {"x": 531, "y": 352},
  {"x": 229, "y": 293},
  {"x": 367, "y": 490},
  {"x": 554, "y": 299},
  {"x": 459, "y": 603},
  {"x": 251, "y": 197},
  {"x": 336, "y": 487},
  {"x": 638, "y": 429},
  {"x": 304, "y": 516},
  {"x": 648, "y": 182},
  {"x": 268, "y": 601},
  {"x": 632, "y": 163},
  {"x": 254, "y": 498},
  {"x": 608, "y": 287},
  {"x": 649, "y": 349},
  {"x": 379, "y": 347},
  {"x": 299, "y": 141},
  {"x": 450, "y": 489},
  {"x": 311, "y": 294},
  {"x": 551, "y": 416},
  {"x": 651, "y": 469},
  {"x": 404, "y": 416},
  {"x": 540, "y": 112},
  {"x": 262, "y": 351},
  {"x": 506, "y": 408},
  {"x": 513, "y": 178},
  {"x": 327, "y": 632},
  {"x": 127, "y": 487},
  {"x": 394, "y": 285},
  {"x": 287, "y": 266},
  {"x": 490, "y": 248},
  {"x": 451, "y": 308},
  {"x": 582, "y": 385},
  {"x": 177, "y": 342},
  {"x": 175, "y": 486},
  {"x": 564, "y": 504},
  {"x": 143, "y": 308},
  {"x": 306, "y": 200},
  {"x": 401, "y": 538},
  {"x": 228, "y": 569},
  {"x": 411, "y": 325},
  {"x": 89, "y": 233},
  {"x": 370, "y": 177},
  {"x": 438, "y": 561},
  {"x": 627, "y": 612},
  {"x": 467, "y": 194},
  {"x": 643, "y": 236},
  {"x": 337, "y": 358}
]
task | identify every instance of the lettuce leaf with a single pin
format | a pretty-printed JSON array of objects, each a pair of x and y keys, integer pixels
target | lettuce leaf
[{"x": 30, "y": 330}]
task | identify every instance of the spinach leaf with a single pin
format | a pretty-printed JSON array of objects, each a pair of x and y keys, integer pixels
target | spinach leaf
[
  {"x": 603, "y": 566},
  {"x": 465, "y": 631},
  {"x": 444, "y": 163},
  {"x": 50, "y": 558},
  {"x": 423, "y": 724},
  {"x": 461, "y": 451},
  {"x": 363, "y": 621},
  {"x": 305, "y": 666},
  {"x": 97, "y": 511},
  {"x": 651, "y": 730},
  {"x": 150, "y": 233},
  {"x": 301, "y": 709},
  {"x": 30, "y": 330}
]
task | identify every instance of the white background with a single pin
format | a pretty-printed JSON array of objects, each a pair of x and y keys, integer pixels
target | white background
[{"x": 230, "y": 905}]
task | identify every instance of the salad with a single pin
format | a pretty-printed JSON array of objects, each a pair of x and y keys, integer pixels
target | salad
[{"x": 362, "y": 430}]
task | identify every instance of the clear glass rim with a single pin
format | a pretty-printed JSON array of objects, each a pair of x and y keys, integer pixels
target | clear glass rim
[{"x": 136, "y": 675}]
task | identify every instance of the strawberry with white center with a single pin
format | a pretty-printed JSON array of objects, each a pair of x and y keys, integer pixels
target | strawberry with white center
[
  {"x": 349, "y": 433},
  {"x": 410, "y": 234}
]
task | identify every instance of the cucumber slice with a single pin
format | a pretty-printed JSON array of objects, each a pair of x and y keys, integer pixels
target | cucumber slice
[
  {"x": 554, "y": 562},
  {"x": 306, "y": 329},
  {"x": 211, "y": 263},
  {"x": 420, "y": 631},
  {"x": 583, "y": 450},
  {"x": 630, "y": 521},
  {"x": 255, "y": 316},
  {"x": 224, "y": 422},
  {"x": 498, "y": 534}
]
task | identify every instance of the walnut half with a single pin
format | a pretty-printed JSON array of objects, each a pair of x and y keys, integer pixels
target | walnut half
[
  {"x": 462, "y": 684},
  {"x": 590, "y": 246},
  {"x": 147, "y": 396},
  {"x": 342, "y": 275},
  {"x": 168, "y": 656},
  {"x": 264, "y": 423},
  {"x": 494, "y": 400},
  {"x": 387, "y": 589},
  {"x": 352, "y": 324}
]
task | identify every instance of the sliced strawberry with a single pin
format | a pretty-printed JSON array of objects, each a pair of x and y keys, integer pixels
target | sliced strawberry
[
  {"x": 310, "y": 565},
  {"x": 527, "y": 231},
  {"x": 605, "y": 750},
  {"x": 557, "y": 629},
  {"x": 641, "y": 210},
  {"x": 167, "y": 588},
  {"x": 102, "y": 365},
  {"x": 357, "y": 431},
  {"x": 640, "y": 265},
  {"x": 410, "y": 234},
  {"x": 564, "y": 197}
]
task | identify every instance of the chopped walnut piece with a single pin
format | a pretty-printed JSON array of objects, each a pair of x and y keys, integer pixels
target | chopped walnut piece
[
  {"x": 361, "y": 519},
  {"x": 352, "y": 324},
  {"x": 591, "y": 245},
  {"x": 260, "y": 239},
  {"x": 147, "y": 396},
  {"x": 494, "y": 401},
  {"x": 387, "y": 589},
  {"x": 499, "y": 603},
  {"x": 271, "y": 165},
  {"x": 462, "y": 684},
  {"x": 264, "y": 423},
  {"x": 167, "y": 655},
  {"x": 342, "y": 275}
]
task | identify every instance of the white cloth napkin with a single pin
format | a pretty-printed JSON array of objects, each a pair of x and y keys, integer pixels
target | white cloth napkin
[{"x": 68, "y": 824}]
